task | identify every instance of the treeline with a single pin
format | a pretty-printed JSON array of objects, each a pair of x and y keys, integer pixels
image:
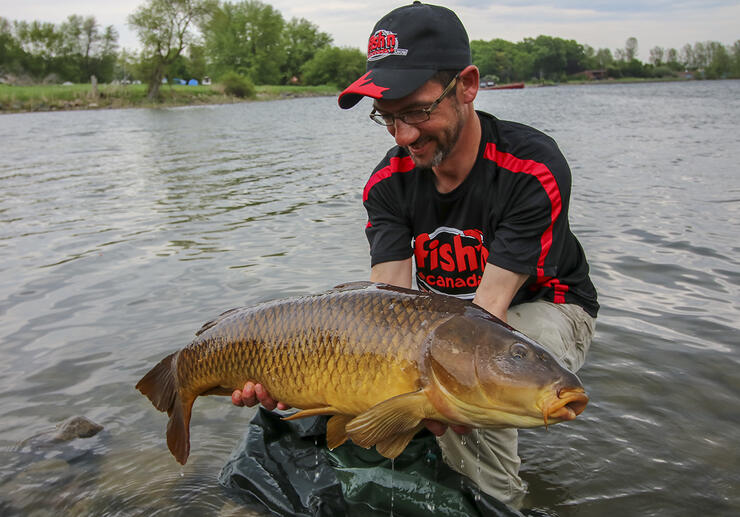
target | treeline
[
  {"x": 250, "y": 41},
  {"x": 71, "y": 51},
  {"x": 557, "y": 59},
  {"x": 180, "y": 39}
]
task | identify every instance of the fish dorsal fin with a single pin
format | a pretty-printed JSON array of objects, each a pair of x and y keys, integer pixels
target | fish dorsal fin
[
  {"x": 393, "y": 446},
  {"x": 350, "y": 286},
  {"x": 398, "y": 415},
  {"x": 216, "y": 320},
  {"x": 327, "y": 410},
  {"x": 336, "y": 433}
]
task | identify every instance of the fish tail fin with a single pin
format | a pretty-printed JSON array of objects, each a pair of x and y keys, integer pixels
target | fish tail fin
[
  {"x": 160, "y": 384},
  {"x": 160, "y": 387},
  {"x": 178, "y": 429}
]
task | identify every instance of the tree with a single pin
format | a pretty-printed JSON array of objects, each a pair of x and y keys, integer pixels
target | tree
[
  {"x": 657, "y": 55},
  {"x": 12, "y": 55},
  {"x": 735, "y": 65},
  {"x": 334, "y": 65},
  {"x": 672, "y": 59},
  {"x": 630, "y": 49},
  {"x": 550, "y": 59},
  {"x": 247, "y": 38},
  {"x": 302, "y": 40},
  {"x": 164, "y": 29},
  {"x": 84, "y": 51},
  {"x": 720, "y": 62},
  {"x": 495, "y": 58}
]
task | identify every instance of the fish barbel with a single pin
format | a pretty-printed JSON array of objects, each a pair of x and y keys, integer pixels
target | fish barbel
[{"x": 378, "y": 359}]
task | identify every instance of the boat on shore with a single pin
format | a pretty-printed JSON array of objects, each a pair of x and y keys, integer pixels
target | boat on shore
[{"x": 509, "y": 86}]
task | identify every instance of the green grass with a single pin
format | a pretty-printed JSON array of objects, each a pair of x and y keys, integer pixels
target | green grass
[
  {"x": 80, "y": 96},
  {"x": 296, "y": 91}
]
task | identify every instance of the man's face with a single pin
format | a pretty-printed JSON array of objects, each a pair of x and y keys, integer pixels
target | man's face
[{"x": 430, "y": 142}]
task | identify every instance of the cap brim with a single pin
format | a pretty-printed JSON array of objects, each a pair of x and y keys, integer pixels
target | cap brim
[{"x": 385, "y": 83}]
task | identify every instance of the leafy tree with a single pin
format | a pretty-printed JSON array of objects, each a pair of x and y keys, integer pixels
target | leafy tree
[
  {"x": 302, "y": 40},
  {"x": 657, "y": 55},
  {"x": 720, "y": 62},
  {"x": 246, "y": 37},
  {"x": 164, "y": 28},
  {"x": 71, "y": 51},
  {"x": 672, "y": 59},
  {"x": 12, "y": 55},
  {"x": 550, "y": 56},
  {"x": 197, "y": 61},
  {"x": 604, "y": 57},
  {"x": 334, "y": 65},
  {"x": 495, "y": 58},
  {"x": 735, "y": 64}
]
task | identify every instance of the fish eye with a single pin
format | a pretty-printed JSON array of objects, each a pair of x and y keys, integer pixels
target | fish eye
[{"x": 519, "y": 351}]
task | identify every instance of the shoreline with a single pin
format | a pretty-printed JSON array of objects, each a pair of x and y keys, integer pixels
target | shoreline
[{"x": 76, "y": 97}]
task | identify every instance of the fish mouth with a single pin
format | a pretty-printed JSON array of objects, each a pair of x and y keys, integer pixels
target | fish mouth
[{"x": 569, "y": 403}]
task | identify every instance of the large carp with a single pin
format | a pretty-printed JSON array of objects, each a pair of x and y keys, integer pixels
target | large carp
[{"x": 378, "y": 358}]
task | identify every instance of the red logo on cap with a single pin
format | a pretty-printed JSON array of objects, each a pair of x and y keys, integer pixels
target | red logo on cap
[{"x": 383, "y": 44}]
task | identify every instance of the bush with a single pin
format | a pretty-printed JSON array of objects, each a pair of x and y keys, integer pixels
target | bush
[
  {"x": 238, "y": 85},
  {"x": 663, "y": 71}
]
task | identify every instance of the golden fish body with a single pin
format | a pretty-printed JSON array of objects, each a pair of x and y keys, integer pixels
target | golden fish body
[{"x": 379, "y": 359}]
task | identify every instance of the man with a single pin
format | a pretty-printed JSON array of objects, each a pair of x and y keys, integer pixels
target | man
[{"x": 476, "y": 206}]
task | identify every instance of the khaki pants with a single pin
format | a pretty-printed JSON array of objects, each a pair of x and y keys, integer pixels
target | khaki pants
[{"x": 489, "y": 456}]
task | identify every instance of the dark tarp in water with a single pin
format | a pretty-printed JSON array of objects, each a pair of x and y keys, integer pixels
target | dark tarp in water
[{"x": 286, "y": 468}]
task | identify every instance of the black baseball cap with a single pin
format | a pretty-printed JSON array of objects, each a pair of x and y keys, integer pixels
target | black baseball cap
[{"x": 406, "y": 48}]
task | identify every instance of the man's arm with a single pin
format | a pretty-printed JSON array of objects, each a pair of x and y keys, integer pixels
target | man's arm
[
  {"x": 396, "y": 272},
  {"x": 497, "y": 288}
]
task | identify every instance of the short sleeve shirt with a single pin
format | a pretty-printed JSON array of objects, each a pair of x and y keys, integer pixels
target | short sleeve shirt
[{"x": 511, "y": 211}]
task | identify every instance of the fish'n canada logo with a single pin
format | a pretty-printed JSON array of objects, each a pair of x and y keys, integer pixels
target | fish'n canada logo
[
  {"x": 383, "y": 44},
  {"x": 450, "y": 261}
]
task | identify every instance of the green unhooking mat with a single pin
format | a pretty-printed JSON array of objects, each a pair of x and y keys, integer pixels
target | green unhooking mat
[{"x": 286, "y": 468}]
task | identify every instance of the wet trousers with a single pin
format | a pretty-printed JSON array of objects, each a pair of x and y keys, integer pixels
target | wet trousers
[{"x": 489, "y": 456}]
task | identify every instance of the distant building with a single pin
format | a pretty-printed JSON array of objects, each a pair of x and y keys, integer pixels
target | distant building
[{"x": 595, "y": 75}]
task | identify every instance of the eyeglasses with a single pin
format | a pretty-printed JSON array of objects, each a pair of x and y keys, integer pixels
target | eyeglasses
[{"x": 416, "y": 116}]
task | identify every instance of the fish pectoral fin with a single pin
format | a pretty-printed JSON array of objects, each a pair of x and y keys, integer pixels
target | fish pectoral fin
[
  {"x": 305, "y": 413},
  {"x": 393, "y": 446},
  {"x": 397, "y": 415},
  {"x": 336, "y": 434}
]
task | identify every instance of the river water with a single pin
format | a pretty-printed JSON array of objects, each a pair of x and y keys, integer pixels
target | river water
[{"x": 122, "y": 231}]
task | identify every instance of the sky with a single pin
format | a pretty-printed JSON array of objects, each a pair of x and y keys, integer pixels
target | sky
[{"x": 598, "y": 23}]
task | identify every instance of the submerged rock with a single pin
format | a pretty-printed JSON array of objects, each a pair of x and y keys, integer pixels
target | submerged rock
[
  {"x": 76, "y": 427},
  {"x": 71, "y": 429}
]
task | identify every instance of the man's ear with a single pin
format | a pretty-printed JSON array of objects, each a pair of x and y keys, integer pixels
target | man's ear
[{"x": 470, "y": 79}]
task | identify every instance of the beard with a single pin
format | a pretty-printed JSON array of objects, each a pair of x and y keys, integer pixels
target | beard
[{"x": 445, "y": 142}]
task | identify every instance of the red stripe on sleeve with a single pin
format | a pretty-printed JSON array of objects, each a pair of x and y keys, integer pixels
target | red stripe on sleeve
[
  {"x": 546, "y": 179},
  {"x": 403, "y": 164}
]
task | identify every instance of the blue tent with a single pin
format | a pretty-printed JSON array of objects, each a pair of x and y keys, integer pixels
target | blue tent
[{"x": 193, "y": 82}]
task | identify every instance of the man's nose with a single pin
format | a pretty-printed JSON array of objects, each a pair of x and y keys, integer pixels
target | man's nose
[{"x": 405, "y": 134}]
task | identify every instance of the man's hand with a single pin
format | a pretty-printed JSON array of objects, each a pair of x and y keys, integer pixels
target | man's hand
[
  {"x": 253, "y": 394},
  {"x": 438, "y": 428}
]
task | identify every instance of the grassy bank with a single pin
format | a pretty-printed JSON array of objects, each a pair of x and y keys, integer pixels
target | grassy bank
[{"x": 15, "y": 99}]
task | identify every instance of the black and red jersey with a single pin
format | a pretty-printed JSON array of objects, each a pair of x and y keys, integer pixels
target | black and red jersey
[{"x": 511, "y": 211}]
